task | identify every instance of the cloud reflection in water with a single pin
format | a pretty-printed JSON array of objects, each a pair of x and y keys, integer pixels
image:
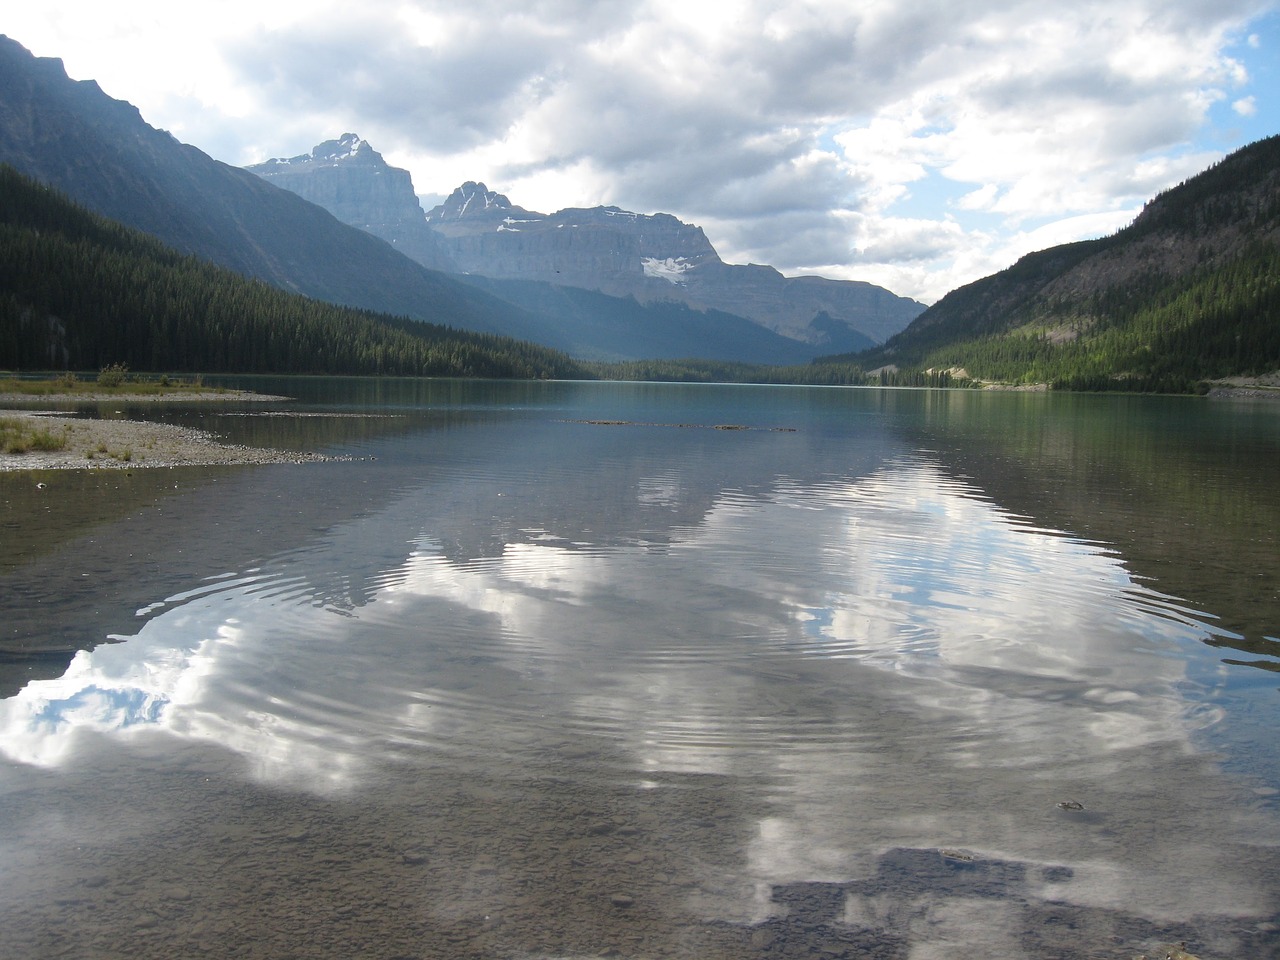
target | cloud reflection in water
[{"x": 881, "y": 663}]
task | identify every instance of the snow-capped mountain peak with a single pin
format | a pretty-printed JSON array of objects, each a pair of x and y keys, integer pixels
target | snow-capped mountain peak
[
  {"x": 472, "y": 199},
  {"x": 345, "y": 149}
]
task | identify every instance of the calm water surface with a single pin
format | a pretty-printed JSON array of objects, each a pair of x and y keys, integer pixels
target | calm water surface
[{"x": 573, "y": 670}]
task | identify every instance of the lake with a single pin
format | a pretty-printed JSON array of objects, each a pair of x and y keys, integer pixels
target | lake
[{"x": 563, "y": 670}]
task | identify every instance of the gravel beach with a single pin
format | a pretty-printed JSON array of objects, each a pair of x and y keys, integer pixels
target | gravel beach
[{"x": 133, "y": 444}]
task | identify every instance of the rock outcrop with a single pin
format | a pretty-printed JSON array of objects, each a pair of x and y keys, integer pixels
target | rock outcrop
[
  {"x": 653, "y": 258},
  {"x": 353, "y": 182},
  {"x": 656, "y": 257}
]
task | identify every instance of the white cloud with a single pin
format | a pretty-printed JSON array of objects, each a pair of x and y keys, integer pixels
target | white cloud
[
  {"x": 940, "y": 637},
  {"x": 775, "y": 125}
]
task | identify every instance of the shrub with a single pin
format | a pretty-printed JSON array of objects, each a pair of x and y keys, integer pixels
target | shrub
[{"x": 113, "y": 376}]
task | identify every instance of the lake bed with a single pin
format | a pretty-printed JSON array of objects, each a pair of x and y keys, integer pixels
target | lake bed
[{"x": 562, "y": 670}]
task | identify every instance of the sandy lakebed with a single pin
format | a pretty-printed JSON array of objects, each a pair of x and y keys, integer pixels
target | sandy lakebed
[{"x": 105, "y": 444}]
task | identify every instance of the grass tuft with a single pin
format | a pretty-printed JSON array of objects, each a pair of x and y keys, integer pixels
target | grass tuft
[
  {"x": 115, "y": 379},
  {"x": 19, "y": 435}
]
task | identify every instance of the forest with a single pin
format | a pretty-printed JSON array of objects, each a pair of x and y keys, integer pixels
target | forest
[
  {"x": 79, "y": 292},
  {"x": 1188, "y": 293},
  {"x": 1169, "y": 338}
]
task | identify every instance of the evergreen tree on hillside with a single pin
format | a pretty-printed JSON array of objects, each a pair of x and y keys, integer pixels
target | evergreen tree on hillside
[
  {"x": 1196, "y": 298},
  {"x": 80, "y": 292}
]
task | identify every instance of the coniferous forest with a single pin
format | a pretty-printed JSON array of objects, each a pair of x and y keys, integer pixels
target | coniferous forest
[
  {"x": 81, "y": 292},
  {"x": 1189, "y": 292}
]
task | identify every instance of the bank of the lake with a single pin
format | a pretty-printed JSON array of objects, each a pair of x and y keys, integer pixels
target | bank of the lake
[
  {"x": 101, "y": 443},
  {"x": 131, "y": 444}
]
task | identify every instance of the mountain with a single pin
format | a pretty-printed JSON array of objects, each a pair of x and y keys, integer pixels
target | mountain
[
  {"x": 650, "y": 258},
  {"x": 78, "y": 291},
  {"x": 656, "y": 257},
  {"x": 1189, "y": 291},
  {"x": 99, "y": 151},
  {"x": 595, "y": 326},
  {"x": 351, "y": 180}
]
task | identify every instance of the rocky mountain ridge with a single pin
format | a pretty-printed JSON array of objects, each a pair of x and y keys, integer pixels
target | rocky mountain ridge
[
  {"x": 654, "y": 258},
  {"x": 352, "y": 181},
  {"x": 100, "y": 152},
  {"x": 580, "y": 247}
]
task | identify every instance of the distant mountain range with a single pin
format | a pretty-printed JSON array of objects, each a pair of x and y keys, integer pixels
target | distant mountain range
[
  {"x": 99, "y": 152},
  {"x": 81, "y": 292},
  {"x": 1189, "y": 291},
  {"x": 653, "y": 258},
  {"x": 650, "y": 258}
]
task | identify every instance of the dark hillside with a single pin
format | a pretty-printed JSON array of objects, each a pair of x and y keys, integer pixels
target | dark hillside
[
  {"x": 595, "y": 326},
  {"x": 80, "y": 292},
  {"x": 1189, "y": 291},
  {"x": 99, "y": 152}
]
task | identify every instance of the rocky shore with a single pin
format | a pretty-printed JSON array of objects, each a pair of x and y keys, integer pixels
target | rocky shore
[
  {"x": 132, "y": 444},
  {"x": 1266, "y": 387}
]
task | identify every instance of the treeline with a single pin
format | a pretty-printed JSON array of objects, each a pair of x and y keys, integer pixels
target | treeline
[
  {"x": 715, "y": 371},
  {"x": 1169, "y": 337},
  {"x": 81, "y": 292},
  {"x": 1199, "y": 300}
]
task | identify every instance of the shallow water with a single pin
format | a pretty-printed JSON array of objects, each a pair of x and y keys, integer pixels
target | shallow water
[{"x": 563, "y": 670}]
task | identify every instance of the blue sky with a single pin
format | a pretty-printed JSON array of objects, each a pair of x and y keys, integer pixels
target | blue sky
[
  {"x": 1259, "y": 50},
  {"x": 919, "y": 146}
]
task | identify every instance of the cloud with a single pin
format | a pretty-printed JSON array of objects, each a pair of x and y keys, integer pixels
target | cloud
[
  {"x": 775, "y": 125},
  {"x": 1006, "y": 661}
]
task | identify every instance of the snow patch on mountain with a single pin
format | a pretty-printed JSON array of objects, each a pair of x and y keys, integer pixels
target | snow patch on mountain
[
  {"x": 672, "y": 269},
  {"x": 346, "y": 147}
]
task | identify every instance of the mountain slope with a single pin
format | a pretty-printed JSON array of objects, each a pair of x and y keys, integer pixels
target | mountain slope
[
  {"x": 1190, "y": 290},
  {"x": 656, "y": 257},
  {"x": 594, "y": 326},
  {"x": 351, "y": 180},
  {"x": 101, "y": 153},
  {"x": 81, "y": 292}
]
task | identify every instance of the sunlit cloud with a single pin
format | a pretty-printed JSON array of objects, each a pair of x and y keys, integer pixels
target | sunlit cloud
[
  {"x": 765, "y": 122},
  {"x": 948, "y": 634}
]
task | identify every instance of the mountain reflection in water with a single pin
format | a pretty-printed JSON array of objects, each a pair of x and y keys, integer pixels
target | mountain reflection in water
[{"x": 866, "y": 712}]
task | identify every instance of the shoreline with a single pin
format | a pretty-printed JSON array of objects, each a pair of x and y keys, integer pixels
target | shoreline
[
  {"x": 135, "y": 444},
  {"x": 103, "y": 396}
]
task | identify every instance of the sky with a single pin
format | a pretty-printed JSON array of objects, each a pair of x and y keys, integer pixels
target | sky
[{"x": 919, "y": 146}]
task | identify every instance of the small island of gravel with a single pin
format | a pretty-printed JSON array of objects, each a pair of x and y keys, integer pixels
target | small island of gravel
[{"x": 55, "y": 440}]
